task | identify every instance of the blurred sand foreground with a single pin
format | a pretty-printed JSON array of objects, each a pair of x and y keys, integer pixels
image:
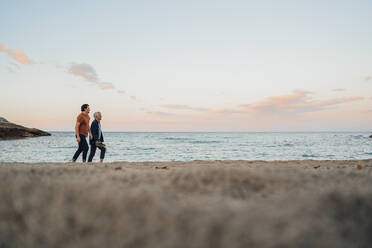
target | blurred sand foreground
[{"x": 187, "y": 204}]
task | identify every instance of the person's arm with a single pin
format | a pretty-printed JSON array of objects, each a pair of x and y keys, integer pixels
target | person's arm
[
  {"x": 77, "y": 131},
  {"x": 90, "y": 134},
  {"x": 93, "y": 131},
  {"x": 101, "y": 133}
]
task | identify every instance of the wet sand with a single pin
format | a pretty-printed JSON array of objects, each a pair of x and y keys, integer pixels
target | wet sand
[{"x": 187, "y": 204}]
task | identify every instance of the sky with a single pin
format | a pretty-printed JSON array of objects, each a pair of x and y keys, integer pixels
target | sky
[{"x": 188, "y": 65}]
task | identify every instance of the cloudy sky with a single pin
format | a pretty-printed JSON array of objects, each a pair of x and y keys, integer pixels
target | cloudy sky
[{"x": 188, "y": 65}]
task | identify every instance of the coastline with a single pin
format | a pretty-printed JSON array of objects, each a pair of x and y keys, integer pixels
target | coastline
[
  {"x": 200, "y": 203},
  {"x": 241, "y": 162}
]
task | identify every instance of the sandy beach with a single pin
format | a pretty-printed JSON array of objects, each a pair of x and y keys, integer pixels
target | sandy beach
[{"x": 187, "y": 204}]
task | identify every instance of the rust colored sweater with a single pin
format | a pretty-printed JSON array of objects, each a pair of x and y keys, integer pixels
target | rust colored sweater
[{"x": 83, "y": 119}]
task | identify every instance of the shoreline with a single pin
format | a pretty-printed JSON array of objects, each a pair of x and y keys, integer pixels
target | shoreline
[{"x": 191, "y": 162}]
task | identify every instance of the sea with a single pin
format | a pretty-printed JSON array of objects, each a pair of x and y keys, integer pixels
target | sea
[{"x": 188, "y": 146}]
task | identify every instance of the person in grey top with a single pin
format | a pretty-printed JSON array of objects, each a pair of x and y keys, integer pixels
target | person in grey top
[{"x": 97, "y": 140}]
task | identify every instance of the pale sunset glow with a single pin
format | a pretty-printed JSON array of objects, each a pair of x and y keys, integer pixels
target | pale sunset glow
[{"x": 188, "y": 65}]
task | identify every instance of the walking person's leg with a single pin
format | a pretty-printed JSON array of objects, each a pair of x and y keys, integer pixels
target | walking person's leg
[
  {"x": 92, "y": 152},
  {"x": 85, "y": 149},
  {"x": 103, "y": 151},
  {"x": 79, "y": 150}
]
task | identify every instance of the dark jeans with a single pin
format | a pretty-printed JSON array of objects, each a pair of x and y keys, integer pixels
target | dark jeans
[
  {"x": 93, "y": 149},
  {"x": 83, "y": 147}
]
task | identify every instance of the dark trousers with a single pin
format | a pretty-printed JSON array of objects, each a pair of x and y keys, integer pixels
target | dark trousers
[
  {"x": 83, "y": 147},
  {"x": 93, "y": 149}
]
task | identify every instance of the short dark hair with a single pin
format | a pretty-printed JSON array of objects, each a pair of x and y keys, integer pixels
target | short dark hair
[{"x": 84, "y": 107}]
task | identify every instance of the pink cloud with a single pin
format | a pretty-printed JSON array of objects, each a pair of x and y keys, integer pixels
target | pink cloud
[
  {"x": 368, "y": 78},
  {"x": 160, "y": 113},
  {"x": 335, "y": 101},
  {"x": 133, "y": 98},
  {"x": 203, "y": 110},
  {"x": 88, "y": 73},
  {"x": 339, "y": 89},
  {"x": 228, "y": 111},
  {"x": 183, "y": 107},
  {"x": 17, "y": 55},
  {"x": 296, "y": 102},
  {"x": 106, "y": 86},
  {"x": 85, "y": 71},
  {"x": 287, "y": 102}
]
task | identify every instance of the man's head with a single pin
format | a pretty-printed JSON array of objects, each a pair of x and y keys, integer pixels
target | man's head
[
  {"x": 85, "y": 108},
  {"x": 97, "y": 116}
]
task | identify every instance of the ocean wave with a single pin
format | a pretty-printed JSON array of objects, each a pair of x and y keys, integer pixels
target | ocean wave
[
  {"x": 309, "y": 156},
  {"x": 177, "y": 139},
  {"x": 205, "y": 142},
  {"x": 287, "y": 145},
  {"x": 244, "y": 144},
  {"x": 136, "y": 148},
  {"x": 62, "y": 147},
  {"x": 262, "y": 154},
  {"x": 359, "y": 137}
]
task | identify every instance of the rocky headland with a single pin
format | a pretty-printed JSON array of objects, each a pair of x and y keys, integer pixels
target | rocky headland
[{"x": 9, "y": 130}]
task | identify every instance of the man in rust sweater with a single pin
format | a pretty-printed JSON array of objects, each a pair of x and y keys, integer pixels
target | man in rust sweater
[{"x": 81, "y": 132}]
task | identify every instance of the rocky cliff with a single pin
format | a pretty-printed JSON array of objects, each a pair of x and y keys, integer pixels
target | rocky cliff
[{"x": 10, "y": 130}]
